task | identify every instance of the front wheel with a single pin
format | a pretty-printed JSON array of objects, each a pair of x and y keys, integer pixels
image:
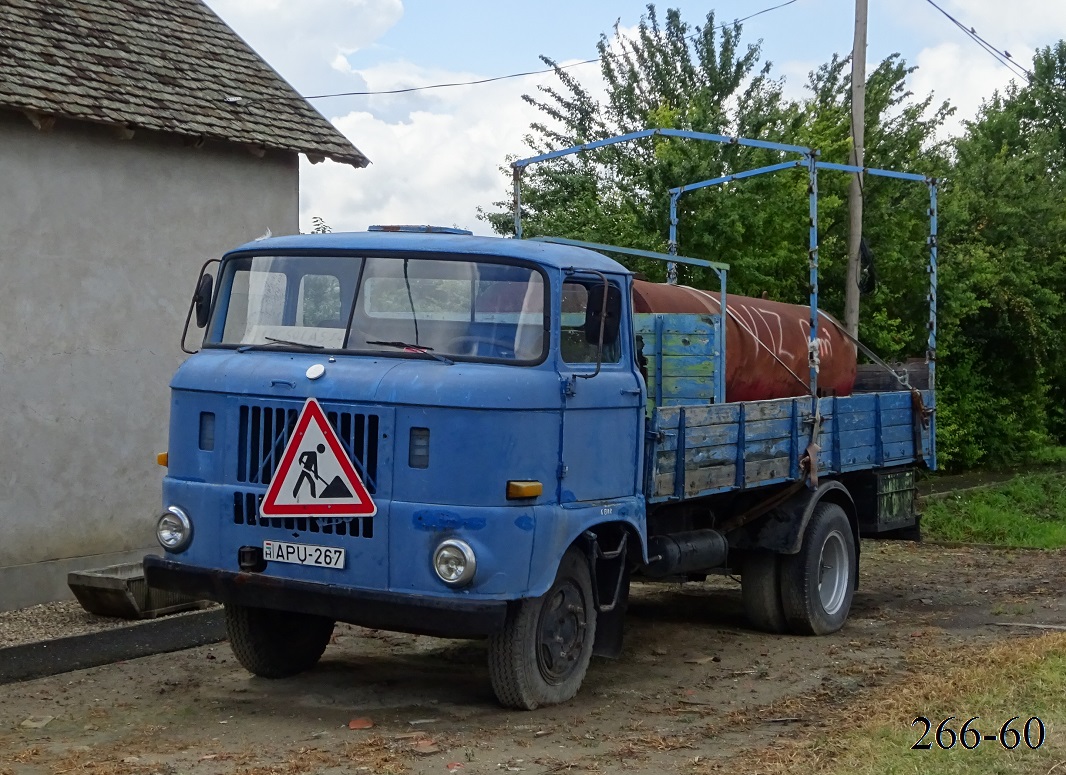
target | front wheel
[
  {"x": 276, "y": 644},
  {"x": 542, "y": 654},
  {"x": 818, "y": 583}
]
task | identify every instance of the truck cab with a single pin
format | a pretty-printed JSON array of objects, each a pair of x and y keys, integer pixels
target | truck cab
[{"x": 485, "y": 394}]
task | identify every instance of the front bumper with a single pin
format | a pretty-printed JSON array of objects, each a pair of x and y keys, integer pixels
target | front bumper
[{"x": 418, "y": 614}]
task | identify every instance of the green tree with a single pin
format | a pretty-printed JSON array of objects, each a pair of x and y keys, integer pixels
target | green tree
[
  {"x": 901, "y": 134},
  {"x": 702, "y": 78},
  {"x": 669, "y": 75},
  {"x": 1002, "y": 295},
  {"x": 1004, "y": 374}
]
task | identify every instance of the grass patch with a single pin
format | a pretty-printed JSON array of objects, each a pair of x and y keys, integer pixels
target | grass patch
[
  {"x": 1048, "y": 456},
  {"x": 1029, "y": 511},
  {"x": 873, "y": 735}
]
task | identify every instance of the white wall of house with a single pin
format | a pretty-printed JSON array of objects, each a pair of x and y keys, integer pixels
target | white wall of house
[{"x": 101, "y": 240}]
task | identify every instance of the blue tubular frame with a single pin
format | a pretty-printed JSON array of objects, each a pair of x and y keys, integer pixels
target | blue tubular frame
[
  {"x": 931, "y": 267},
  {"x": 632, "y": 252},
  {"x": 684, "y": 133},
  {"x": 518, "y": 166},
  {"x": 933, "y": 232},
  {"x": 811, "y": 161},
  {"x": 813, "y": 353},
  {"x": 675, "y": 193}
]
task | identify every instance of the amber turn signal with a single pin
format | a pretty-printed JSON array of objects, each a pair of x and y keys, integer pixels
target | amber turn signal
[
  {"x": 162, "y": 459},
  {"x": 523, "y": 489}
]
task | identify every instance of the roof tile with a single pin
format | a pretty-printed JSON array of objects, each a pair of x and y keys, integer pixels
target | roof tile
[{"x": 166, "y": 66}]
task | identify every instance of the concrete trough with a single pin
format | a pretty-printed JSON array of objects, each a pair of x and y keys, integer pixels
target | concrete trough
[{"x": 121, "y": 591}]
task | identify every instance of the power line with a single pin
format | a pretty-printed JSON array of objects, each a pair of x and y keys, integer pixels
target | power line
[
  {"x": 1003, "y": 57},
  {"x": 448, "y": 85},
  {"x": 757, "y": 13},
  {"x": 235, "y": 100}
]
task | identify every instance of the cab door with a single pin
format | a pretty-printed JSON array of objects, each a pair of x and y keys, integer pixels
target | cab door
[{"x": 602, "y": 405}]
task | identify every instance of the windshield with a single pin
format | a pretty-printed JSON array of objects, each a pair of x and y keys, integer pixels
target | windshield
[{"x": 452, "y": 308}]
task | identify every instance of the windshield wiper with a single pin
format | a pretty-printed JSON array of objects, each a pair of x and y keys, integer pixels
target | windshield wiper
[
  {"x": 415, "y": 348},
  {"x": 273, "y": 341},
  {"x": 308, "y": 345}
]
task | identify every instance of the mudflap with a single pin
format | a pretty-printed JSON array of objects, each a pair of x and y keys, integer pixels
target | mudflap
[
  {"x": 610, "y": 625},
  {"x": 610, "y": 585}
]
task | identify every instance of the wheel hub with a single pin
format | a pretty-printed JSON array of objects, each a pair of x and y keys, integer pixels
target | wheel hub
[
  {"x": 834, "y": 573},
  {"x": 561, "y": 633}
]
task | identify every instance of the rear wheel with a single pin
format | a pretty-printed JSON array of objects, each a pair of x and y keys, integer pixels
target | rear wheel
[
  {"x": 542, "y": 654},
  {"x": 818, "y": 583},
  {"x": 276, "y": 644},
  {"x": 760, "y": 585}
]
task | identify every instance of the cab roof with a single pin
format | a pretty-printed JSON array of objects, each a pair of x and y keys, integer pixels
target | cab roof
[{"x": 543, "y": 253}]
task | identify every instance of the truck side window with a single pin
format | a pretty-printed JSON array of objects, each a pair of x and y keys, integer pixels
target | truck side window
[{"x": 573, "y": 346}]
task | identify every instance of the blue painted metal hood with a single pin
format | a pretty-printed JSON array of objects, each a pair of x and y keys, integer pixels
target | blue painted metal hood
[{"x": 364, "y": 379}]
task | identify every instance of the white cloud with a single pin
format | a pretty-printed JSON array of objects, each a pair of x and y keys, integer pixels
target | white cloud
[
  {"x": 951, "y": 71},
  {"x": 302, "y": 39},
  {"x": 957, "y": 69},
  {"x": 951, "y": 66},
  {"x": 1024, "y": 24},
  {"x": 436, "y": 155},
  {"x": 336, "y": 25}
]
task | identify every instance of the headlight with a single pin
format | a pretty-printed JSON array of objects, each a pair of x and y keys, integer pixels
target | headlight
[
  {"x": 454, "y": 562},
  {"x": 174, "y": 529}
]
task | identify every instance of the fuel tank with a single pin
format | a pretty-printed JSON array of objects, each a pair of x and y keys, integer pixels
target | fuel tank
[{"x": 766, "y": 342}]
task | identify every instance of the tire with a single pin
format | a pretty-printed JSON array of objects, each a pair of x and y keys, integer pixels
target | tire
[
  {"x": 276, "y": 644},
  {"x": 818, "y": 583},
  {"x": 542, "y": 654},
  {"x": 760, "y": 585}
]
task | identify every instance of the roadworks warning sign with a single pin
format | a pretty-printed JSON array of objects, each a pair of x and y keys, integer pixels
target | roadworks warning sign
[{"x": 315, "y": 477}]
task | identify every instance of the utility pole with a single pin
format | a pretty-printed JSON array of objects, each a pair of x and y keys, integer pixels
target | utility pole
[{"x": 858, "y": 132}]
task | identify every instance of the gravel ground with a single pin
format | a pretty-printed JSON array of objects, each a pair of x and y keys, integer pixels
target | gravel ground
[
  {"x": 51, "y": 620},
  {"x": 54, "y": 620}
]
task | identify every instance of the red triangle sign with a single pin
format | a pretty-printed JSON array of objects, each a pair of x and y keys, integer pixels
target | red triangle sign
[{"x": 315, "y": 477}]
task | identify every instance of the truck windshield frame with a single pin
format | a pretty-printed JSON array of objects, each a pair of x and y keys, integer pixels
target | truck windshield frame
[{"x": 451, "y": 307}]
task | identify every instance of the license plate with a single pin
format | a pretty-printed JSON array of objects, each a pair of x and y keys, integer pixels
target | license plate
[{"x": 303, "y": 554}]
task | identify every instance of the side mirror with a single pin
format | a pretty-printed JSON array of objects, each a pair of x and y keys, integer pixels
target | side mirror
[
  {"x": 202, "y": 300},
  {"x": 201, "y": 303},
  {"x": 609, "y": 313}
]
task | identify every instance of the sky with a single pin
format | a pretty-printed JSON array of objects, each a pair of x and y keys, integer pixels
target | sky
[{"x": 436, "y": 155}]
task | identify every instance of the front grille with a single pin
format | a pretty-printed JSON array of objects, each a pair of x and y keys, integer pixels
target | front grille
[
  {"x": 246, "y": 512},
  {"x": 264, "y": 431}
]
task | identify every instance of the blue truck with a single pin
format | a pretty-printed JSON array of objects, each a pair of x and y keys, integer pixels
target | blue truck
[{"x": 422, "y": 430}]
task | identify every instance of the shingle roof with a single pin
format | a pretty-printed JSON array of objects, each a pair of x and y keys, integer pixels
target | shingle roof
[{"x": 165, "y": 65}]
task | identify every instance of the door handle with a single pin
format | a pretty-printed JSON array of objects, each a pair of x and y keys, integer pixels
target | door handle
[{"x": 630, "y": 391}]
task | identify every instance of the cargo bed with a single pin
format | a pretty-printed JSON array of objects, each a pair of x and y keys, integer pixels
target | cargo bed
[{"x": 698, "y": 450}]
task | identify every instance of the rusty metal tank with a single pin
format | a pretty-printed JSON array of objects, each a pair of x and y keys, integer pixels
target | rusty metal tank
[{"x": 766, "y": 342}]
